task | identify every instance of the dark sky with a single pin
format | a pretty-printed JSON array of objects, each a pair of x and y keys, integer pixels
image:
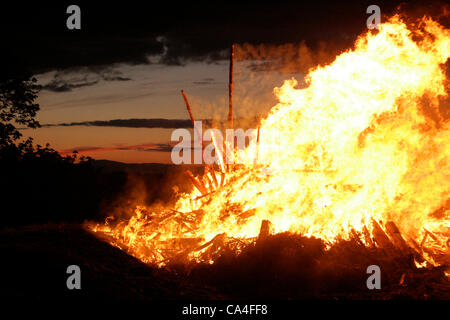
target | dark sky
[
  {"x": 36, "y": 33},
  {"x": 106, "y": 87}
]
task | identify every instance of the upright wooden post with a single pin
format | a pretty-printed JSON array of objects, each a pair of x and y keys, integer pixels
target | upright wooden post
[
  {"x": 230, "y": 90},
  {"x": 196, "y": 129},
  {"x": 257, "y": 140},
  {"x": 230, "y": 103}
]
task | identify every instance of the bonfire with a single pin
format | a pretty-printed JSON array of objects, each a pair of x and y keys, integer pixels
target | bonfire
[{"x": 355, "y": 157}]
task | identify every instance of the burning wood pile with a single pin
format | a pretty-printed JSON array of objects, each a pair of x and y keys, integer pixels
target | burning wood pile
[{"x": 354, "y": 157}]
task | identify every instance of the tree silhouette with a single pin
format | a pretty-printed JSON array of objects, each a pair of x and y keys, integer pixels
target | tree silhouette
[
  {"x": 18, "y": 92},
  {"x": 37, "y": 183}
]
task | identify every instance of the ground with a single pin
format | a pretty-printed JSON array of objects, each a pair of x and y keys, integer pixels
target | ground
[{"x": 35, "y": 259}]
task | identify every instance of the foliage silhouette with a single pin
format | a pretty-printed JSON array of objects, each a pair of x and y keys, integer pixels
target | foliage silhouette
[
  {"x": 38, "y": 184},
  {"x": 18, "y": 92}
]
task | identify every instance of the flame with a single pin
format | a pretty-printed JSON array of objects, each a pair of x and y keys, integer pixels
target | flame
[{"x": 351, "y": 147}]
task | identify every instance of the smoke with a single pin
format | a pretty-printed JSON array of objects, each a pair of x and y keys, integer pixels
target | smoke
[
  {"x": 153, "y": 186},
  {"x": 258, "y": 69},
  {"x": 261, "y": 68},
  {"x": 132, "y": 193}
]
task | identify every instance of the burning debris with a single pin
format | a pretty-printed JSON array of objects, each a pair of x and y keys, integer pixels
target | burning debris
[{"x": 355, "y": 159}]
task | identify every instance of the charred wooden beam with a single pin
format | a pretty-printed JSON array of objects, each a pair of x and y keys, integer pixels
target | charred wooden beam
[
  {"x": 424, "y": 239},
  {"x": 417, "y": 250},
  {"x": 230, "y": 105},
  {"x": 395, "y": 235},
  {"x": 218, "y": 239},
  {"x": 188, "y": 107},
  {"x": 222, "y": 179},
  {"x": 213, "y": 176},
  {"x": 265, "y": 231},
  {"x": 218, "y": 153},
  {"x": 381, "y": 238},
  {"x": 432, "y": 236},
  {"x": 208, "y": 179},
  {"x": 367, "y": 237},
  {"x": 416, "y": 246},
  {"x": 197, "y": 183},
  {"x": 230, "y": 90},
  {"x": 356, "y": 236},
  {"x": 257, "y": 144}
]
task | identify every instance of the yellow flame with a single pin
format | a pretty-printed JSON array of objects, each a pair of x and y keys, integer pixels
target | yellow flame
[{"x": 352, "y": 146}]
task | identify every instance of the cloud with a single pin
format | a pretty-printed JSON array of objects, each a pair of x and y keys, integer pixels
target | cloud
[
  {"x": 158, "y": 147},
  {"x": 204, "y": 81},
  {"x": 132, "y": 33},
  {"x": 131, "y": 123},
  {"x": 159, "y": 123},
  {"x": 148, "y": 147},
  {"x": 64, "y": 86},
  {"x": 77, "y": 77}
]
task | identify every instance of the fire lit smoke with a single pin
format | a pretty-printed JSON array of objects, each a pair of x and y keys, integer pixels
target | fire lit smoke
[{"x": 354, "y": 150}]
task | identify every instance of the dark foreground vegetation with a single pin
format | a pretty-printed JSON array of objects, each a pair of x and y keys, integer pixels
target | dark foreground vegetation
[
  {"x": 40, "y": 186},
  {"x": 288, "y": 266},
  {"x": 284, "y": 266},
  {"x": 35, "y": 259}
]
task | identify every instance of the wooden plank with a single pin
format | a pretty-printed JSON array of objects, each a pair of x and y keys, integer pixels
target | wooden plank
[
  {"x": 219, "y": 154},
  {"x": 265, "y": 230},
  {"x": 367, "y": 237},
  {"x": 432, "y": 236},
  {"x": 230, "y": 90},
  {"x": 212, "y": 172},
  {"x": 196, "y": 182},
  {"x": 381, "y": 239},
  {"x": 395, "y": 235},
  {"x": 188, "y": 106},
  {"x": 230, "y": 107},
  {"x": 257, "y": 144}
]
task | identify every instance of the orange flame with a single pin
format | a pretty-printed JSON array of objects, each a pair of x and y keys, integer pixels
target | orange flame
[{"x": 353, "y": 146}]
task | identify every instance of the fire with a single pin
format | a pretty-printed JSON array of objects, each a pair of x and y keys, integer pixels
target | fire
[{"x": 353, "y": 149}]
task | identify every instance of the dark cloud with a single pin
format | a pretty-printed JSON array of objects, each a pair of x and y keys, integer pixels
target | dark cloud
[
  {"x": 158, "y": 147},
  {"x": 117, "y": 78},
  {"x": 64, "y": 86},
  {"x": 131, "y": 123},
  {"x": 131, "y": 32},
  {"x": 74, "y": 78},
  {"x": 158, "y": 123},
  {"x": 149, "y": 147}
]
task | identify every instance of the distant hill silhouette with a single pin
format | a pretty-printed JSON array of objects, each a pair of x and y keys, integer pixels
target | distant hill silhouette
[{"x": 39, "y": 190}]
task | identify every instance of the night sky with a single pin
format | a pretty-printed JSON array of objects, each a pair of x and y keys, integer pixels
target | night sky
[{"x": 130, "y": 61}]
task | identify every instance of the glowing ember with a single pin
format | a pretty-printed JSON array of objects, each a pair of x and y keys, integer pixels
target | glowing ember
[{"x": 352, "y": 148}]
